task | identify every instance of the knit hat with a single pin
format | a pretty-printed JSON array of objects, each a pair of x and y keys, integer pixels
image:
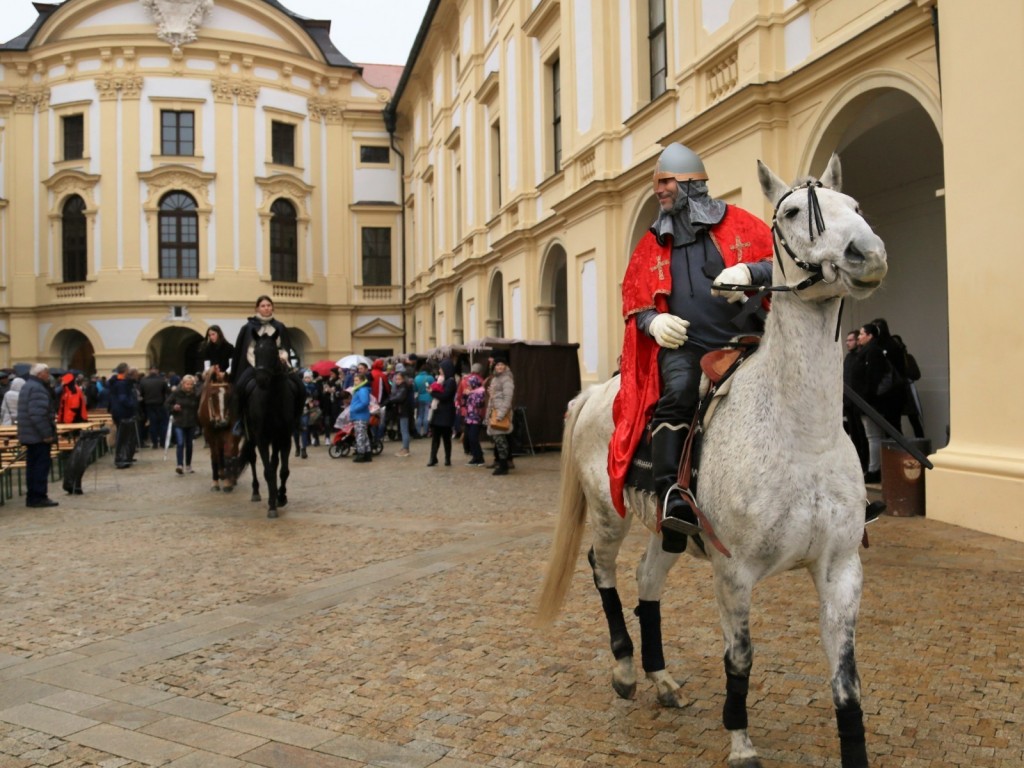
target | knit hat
[{"x": 399, "y": 368}]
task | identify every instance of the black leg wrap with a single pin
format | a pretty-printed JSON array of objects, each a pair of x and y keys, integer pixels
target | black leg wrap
[
  {"x": 652, "y": 652},
  {"x": 852, "y": 746},
  {"x": 622, "y": 646},
  {"x": 734, "y": 712}
]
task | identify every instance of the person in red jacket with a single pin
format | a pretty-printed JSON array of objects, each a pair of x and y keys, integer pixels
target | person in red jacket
[
  {"x": 72, "y": 402},
  {"x": 675, "y": 312}
]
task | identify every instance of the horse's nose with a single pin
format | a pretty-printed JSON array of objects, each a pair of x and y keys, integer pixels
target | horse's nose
[{"x": 853, "y": 254}]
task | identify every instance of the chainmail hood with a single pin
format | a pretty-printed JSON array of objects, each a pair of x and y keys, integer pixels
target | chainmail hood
[{"x": 694, "y": 209}]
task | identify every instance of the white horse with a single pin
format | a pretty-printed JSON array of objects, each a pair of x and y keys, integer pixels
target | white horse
[{"x": 779, "y": 480}]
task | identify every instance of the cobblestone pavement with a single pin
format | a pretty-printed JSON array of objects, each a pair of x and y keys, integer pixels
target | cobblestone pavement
[{"x": 383, "y": 620}]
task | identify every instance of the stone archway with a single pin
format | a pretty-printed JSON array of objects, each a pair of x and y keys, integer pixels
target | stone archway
[
  {"x": 459, "y": 321},
  {"x": 76, "y": 351},
  {"x": 892, "y": 162},
  {"x": 495, "y": 323},
  {"x": 175, "y": 349},
  {"x": 553, "y": 310}
]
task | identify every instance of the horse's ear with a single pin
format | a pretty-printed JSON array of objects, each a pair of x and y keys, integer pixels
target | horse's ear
[
  {"x": 833, "y": 176},
  {"x": 772, "y": 186}
]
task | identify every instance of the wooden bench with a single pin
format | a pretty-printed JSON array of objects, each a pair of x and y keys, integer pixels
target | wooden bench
[{"x": 12, "y": 453}]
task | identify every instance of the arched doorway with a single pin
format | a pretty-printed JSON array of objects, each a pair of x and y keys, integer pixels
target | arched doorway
[
  {"x": 892, "y": 164},
  {"x": 495, "y": 325},
  {"x": 175, "y": 350},
  {"x": 554, "y": 293},
  {"x": 76, "y": 351},
  {"x": 459, "y": 323}
]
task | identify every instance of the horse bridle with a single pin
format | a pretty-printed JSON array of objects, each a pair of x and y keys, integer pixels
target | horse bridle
[{"x": 815, "y": 221}]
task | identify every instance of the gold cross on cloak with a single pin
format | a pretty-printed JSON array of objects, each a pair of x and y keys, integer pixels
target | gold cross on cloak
[
  {"x": 659, "y": 265},
  {"x": 739, "y": 246}
]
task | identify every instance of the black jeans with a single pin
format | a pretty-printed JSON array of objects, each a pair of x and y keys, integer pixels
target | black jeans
[
  {"x": 437, "y": 435},
  {"x": 680, "y": 385},
  {"x": 37, "y": 472}
]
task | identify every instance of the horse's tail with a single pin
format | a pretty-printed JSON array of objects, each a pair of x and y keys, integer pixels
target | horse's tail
[{"x": 572, "y": 517}]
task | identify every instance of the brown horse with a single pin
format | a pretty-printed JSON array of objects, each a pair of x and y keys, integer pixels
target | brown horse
[{"x": 216, "y": 420}]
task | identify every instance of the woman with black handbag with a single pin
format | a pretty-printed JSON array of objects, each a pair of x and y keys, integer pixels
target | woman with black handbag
[
  {"x": 500, "y": 392},
  {"x": 881, "y": 384}
]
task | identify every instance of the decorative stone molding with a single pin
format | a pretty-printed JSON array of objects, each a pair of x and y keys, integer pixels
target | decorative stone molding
[
  {"x": 113, "y": 87},
  {"x": 327, "y": 110},
  {"x": 31, "y": 99},
  {"x": 722, "y": 76},
  {"x": 178, "y": 21},
  {"x": 65, "y": 183},
  {"x": 180, "y": 177},
  {"x": 228, "y": 90},
  {"x": 282, "y": 185}
]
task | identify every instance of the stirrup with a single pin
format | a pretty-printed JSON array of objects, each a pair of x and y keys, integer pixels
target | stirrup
[{"x": 678, "y": 524}]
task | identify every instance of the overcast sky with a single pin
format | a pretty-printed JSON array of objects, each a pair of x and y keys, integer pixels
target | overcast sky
[{"x": 366, "y": 31}]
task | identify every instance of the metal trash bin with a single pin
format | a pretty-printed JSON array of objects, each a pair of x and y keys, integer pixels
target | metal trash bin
[{"x": 903, "y": 478}]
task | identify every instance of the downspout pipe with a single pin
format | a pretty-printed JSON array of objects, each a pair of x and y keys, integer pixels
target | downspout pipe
[{"x": 390, "y": 120}]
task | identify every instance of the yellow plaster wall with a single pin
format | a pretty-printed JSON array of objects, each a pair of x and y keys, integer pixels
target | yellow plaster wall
[{"x": 978, "y": 481}]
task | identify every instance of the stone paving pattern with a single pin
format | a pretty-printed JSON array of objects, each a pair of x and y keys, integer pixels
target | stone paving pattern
[{"x": 384, "y": 620}]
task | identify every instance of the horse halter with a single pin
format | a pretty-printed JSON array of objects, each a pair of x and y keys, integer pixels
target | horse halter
[{"x": 814, "y": 221}]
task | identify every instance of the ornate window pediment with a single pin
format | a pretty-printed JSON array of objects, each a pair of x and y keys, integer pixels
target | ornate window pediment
[
  {"x": 66, "y": 183},
  {"x": 167, "y": 177}
]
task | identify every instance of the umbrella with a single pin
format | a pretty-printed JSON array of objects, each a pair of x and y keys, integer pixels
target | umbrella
[
  {"x": 351, "y": 361},
  {"x": 323, "y": 367}
]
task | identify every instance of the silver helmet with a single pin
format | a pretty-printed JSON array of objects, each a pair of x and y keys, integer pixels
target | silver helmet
[{"x": 679, "y": 163}]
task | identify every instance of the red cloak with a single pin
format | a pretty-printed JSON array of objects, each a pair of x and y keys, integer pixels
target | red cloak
[{"x": 740, "y": 237}]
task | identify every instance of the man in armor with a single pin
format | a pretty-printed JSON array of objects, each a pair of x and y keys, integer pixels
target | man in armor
[{"x": 674, "y": 314}]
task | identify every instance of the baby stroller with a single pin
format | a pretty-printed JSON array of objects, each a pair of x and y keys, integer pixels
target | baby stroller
[{"x": 344, "y": 440}]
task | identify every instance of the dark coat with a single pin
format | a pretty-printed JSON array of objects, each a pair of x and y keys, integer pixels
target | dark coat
[
  {"x": 247, "y": 336},
  {"x": 444, "y": 414},
  {"x": 154, "y": 388},
  {"x": 187, "y": 417},
  {"x": 124, "y": 402},
  {"x": 37, "y": 412},
  {"x": 221, "y": 354}
]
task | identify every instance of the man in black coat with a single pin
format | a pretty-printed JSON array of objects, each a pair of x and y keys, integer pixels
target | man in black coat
[
  {"x": 155, "y": 390},
  {"x": 37, "y": 431}
]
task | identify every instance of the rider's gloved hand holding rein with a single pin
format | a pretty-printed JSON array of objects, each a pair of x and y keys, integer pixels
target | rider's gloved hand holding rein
[{"x": 738, "y": 274}]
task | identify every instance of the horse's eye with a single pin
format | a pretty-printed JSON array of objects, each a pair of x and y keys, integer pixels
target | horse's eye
[{"x": 791, "y": 213}]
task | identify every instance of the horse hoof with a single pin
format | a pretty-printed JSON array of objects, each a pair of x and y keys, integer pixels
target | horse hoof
[
  {"x": 670, "y": 699},
  {"x": 746, "y": 762},
  {"x": 228, "y": 488},
  {"x": 624, "y": 690},
  {"x": 255, "y": 497},
  {"x": 272, "y": 513},
  {"x": 215, "y": 488}
]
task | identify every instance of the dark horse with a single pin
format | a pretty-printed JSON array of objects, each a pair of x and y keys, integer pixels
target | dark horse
[
  {"x": 270, "y": 406},
  {"x": 216, "y": 420}
]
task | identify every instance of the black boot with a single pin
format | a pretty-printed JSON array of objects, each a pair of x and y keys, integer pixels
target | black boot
[
  {"x": 500, "y": 467},
  {"x": 678, "y": 520}
]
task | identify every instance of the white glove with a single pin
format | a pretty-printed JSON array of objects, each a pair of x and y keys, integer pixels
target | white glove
[
  {"x": 669, "y": 331},
  {"x": 738, "y": 274}
]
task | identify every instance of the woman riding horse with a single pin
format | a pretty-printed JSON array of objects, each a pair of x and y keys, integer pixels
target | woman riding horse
[{"x": 262, "y": 324}]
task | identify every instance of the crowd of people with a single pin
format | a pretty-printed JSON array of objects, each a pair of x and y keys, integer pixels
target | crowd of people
[
  {"x": 881, "y": 371},
  {"x": 409, "y": 400}
]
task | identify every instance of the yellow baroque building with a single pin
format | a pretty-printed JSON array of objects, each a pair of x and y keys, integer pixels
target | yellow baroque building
[
  {"x": 529, "y": 131},
  {"x": 163, "y": 164},
  {"x": 498, "y": 187}
]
